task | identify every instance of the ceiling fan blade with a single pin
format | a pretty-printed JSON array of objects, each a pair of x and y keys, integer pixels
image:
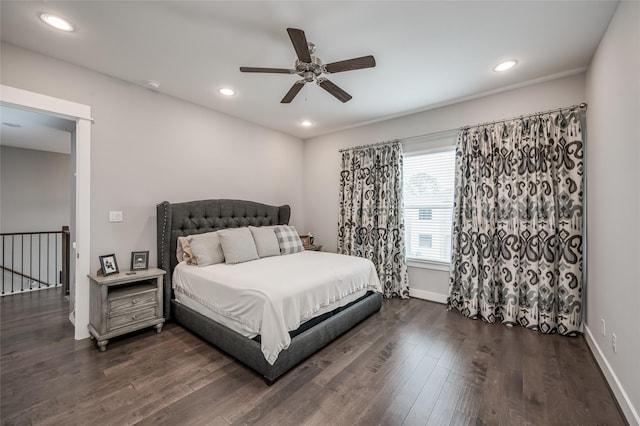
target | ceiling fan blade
[
  {"x": 351, "y": 64},
  {"x": 334, "y": 90},
  {"x": 300, "y": 44},
  {"x": 269, "y": 70},
  {"x": 292, "y": 92}
]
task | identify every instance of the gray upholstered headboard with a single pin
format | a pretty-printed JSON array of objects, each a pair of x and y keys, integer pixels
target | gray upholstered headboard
[{"x": 196, "y": 217}]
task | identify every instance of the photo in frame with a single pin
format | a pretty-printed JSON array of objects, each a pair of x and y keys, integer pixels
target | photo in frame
[
  {"x": 139, "y": 260},
  {"x": 109, "y": 265},
  {"x": 306, "y": 240}
]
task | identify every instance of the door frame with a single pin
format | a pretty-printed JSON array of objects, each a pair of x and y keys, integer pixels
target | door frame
[{"x": 81, "y": 115}]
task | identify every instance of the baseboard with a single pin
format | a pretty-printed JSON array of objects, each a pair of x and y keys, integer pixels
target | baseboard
[
  {"x": 428, "y": 295},
  {"x": 624, "y": 402}
]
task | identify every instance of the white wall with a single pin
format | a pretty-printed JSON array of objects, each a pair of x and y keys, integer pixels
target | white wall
[
  {"x": 148, "y": 147},
  {"x": 36, "y": 197},
  {"x": 613, "y": 197},
  {"x": 322, "y": 159},
  {"x": 35, "y": 190}
]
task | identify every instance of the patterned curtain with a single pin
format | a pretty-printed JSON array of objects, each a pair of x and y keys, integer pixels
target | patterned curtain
[
  {"x": 371, "y": 224},
  {"x": 518, "y": 215}
]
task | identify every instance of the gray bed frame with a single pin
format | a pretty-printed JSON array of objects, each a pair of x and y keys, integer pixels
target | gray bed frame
[{"x": 196, "y": 217}]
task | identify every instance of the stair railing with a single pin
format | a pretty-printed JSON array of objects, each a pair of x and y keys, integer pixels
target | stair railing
[{"x": 35, "y": 260}]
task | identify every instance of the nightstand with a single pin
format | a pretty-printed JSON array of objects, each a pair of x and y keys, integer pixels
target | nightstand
[
  {"x": 124, "y": 303},
  {"x": 313, "y": 248}
]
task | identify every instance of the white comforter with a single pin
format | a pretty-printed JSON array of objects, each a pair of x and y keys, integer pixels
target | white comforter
[{"x": 274, "y": 295}]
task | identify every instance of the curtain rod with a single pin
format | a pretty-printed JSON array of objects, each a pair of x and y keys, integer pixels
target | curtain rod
[
  {"x": 582, "y": 106},
  {"x": 371, "y": 145}
]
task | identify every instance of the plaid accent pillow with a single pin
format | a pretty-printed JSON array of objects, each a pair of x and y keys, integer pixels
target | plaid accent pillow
[{"x": 288, "y": 239}]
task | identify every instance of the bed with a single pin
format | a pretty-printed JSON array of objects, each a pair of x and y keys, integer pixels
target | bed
[{"x": 318, "y": 327}]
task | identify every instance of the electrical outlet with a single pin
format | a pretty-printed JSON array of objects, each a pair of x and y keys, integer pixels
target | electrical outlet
[
  {"x": 614, "y": 342},
  {"x": 603, "y": 327}
]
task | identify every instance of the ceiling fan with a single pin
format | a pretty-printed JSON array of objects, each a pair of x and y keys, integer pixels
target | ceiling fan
[{"x": 311, "y": 68}]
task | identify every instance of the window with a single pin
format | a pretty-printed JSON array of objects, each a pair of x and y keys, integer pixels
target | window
[
  {"x": 425, "y": 241},
  {"x": 425, "y": 214},
  {"x": 428, "y": 204}
]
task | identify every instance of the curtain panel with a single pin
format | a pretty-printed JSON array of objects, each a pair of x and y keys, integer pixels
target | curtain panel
[
  {"x": 371, "y": 223},
  {"x": 518, "y": 218}
]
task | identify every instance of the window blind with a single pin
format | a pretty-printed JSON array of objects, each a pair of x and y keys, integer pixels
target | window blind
[{"x": 428, "y": 189}]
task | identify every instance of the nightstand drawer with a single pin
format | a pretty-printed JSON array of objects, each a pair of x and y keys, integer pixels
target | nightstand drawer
[
  {"x": 127, "y": 298},
  {"x": 131, "y": 317}
]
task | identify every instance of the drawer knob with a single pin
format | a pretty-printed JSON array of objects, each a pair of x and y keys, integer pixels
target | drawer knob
[{"x": 134, "y": 317}]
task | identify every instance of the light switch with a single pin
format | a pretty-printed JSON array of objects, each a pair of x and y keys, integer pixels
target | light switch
[{"x": 115, "y": 216}]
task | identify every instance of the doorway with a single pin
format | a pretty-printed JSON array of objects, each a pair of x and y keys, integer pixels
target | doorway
[
  {"x": 36, "y": 187},
  {"x": 81, "y": 182}
]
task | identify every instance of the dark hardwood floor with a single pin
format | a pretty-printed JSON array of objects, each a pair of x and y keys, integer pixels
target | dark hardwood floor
[{"x": 413, "y": 363}]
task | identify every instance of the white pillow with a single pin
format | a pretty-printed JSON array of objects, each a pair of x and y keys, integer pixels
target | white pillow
[
  {"x": 265, "y": 240},
  {"x": 206, "y": 248},
  {"x": 288, "y": 239},
  {"x": 238, "y": 245}
]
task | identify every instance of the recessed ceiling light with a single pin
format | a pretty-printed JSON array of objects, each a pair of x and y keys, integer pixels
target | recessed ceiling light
[
  {"x": 56, "y": 22},
  {"x": 505, "y": 66},
  {"x": 306, "y": 123},
  {"x": 226, "y": 91}
]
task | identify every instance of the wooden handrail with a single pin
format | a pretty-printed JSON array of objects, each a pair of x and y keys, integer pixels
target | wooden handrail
[
  {"x": 24, "y": 275},
  {"x": 4, "y": 234}
]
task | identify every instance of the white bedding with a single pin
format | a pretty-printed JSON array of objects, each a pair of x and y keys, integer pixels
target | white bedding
[{"x": 274, "y": 295}]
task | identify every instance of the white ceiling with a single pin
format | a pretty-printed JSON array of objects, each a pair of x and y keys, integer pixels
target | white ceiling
[
  {"x": 33, "y": 130},
  {"x": 428, "y": 53}
]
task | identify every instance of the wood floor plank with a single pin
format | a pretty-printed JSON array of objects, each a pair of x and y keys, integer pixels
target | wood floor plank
[
  {"x": 200, "y": 405},
  {"x": 397, "y": 379},
  {"x": 393, "y": 401},
  {"x": 423, "y": 405},
  {"x": 400, "y": 404},
  {"x": 534, "y": 394},
  {"x": 445, "y": 406},
  {"x": 368, "y": 380},
  {"x": 272, "y": 404},
  {"x": 298, "y": 405},
  {"x": 413, "y": 363}
]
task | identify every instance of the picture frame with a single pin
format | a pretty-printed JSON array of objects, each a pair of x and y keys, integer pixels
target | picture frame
[
  {"x": 306, "y": 240},
  {"x": 139, "y": 260},
  {"x": 109, "y": 264}
]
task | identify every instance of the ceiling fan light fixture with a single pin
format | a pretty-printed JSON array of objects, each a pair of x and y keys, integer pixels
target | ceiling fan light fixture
[
  {"x": 505, "y": 66},
  {"x": 56, "y": 22},
  {"x": 226, "y": 91}
]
